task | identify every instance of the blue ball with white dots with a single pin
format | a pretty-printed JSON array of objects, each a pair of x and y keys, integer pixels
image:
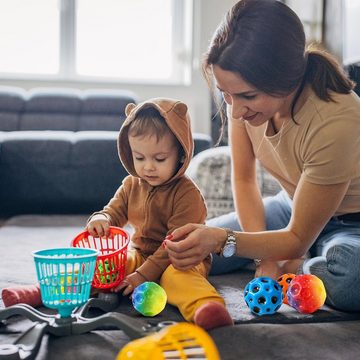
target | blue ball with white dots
[{"x": 263, "y": 296}]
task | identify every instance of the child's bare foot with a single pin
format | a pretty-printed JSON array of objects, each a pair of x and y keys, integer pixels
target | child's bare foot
[{"x": 212, "y": 315}]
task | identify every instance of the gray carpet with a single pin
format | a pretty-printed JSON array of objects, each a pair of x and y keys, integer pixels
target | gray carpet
[{"x": 21, "y": 235}]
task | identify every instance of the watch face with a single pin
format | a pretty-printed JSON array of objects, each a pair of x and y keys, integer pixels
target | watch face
[{"x": 229, "y": 250}]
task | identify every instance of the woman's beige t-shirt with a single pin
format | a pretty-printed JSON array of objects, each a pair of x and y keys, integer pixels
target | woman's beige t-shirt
[{"x": 324, "y": 145}]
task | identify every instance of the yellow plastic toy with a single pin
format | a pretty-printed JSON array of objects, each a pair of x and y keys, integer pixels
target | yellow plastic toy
[{"x": 178, "y": 341}]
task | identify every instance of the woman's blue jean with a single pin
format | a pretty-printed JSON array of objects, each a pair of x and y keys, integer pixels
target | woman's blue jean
[{"x": 335, "y": 255}]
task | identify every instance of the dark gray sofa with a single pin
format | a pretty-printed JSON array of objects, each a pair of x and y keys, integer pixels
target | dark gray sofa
[{"x": 58, "y": 149}]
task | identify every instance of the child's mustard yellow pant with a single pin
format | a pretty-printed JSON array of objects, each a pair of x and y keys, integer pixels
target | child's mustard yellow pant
[{"x": 187, "y": 290}]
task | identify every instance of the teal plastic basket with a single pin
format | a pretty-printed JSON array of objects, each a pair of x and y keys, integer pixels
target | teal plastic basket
[{"x": 65, "y": 276}]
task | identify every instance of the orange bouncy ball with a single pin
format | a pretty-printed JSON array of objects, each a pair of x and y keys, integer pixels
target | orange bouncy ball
[
  {"x": 284, "y": 281},
  {"x": 306, "y": 293}
]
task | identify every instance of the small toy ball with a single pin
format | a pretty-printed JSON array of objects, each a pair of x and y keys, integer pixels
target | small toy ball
[
  {"x": 284, "y": 281},
  {"x": 263, "y": 296},
  {"x": 306, "y": 293},
  {"x": 149, "y": 298}
]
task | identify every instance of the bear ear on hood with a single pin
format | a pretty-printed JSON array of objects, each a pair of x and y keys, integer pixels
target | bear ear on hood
[
  {"x": 181, "y": 109},
  {"x": 129, "y": 108}
]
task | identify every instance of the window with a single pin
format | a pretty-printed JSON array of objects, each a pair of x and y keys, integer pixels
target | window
[
  {"x": 105, "y": 40},
  {"x": 310, "y": 13},
  {"x": 29, "y": 39}
]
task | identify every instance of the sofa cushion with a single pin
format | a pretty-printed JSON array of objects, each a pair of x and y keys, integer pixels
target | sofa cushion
[
  {"x": 100, "y": 122},
  {"x": 211, "y": 171},
  {"x": 48, "y": 121},
  {"x": 87, "y": 143},
  {"x": 201, "y": 142},
  {"x": 53, "y": 100},
  {"x": 63, "y": 109},
  {"x": 12, "y": 102},
  {"x": 106, "y": 101},
  {"x": 37, "y": 147},
  {"x": 58, "y": 171},
  {"x": 12, "y": 98},
  {"x": 9, "y": 121},
  {"x": 104, "y": 109},
  {"x": 51, "y": 109}
]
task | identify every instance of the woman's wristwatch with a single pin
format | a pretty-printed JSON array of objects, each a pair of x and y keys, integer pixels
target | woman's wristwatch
[
  {"x": 257, "y": 262},
  {"x": 229, "y": 248}
]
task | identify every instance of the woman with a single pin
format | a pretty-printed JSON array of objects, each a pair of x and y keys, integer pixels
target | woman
[{"x": 294, "y": 110}]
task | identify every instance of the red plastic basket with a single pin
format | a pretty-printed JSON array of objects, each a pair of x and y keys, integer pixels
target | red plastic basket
[{"x": 111, "y": 261}]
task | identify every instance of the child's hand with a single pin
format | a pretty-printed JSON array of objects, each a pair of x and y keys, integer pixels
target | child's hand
[
  {"x": 99, "y": 225},
  {"x": 129, "y": 283}
]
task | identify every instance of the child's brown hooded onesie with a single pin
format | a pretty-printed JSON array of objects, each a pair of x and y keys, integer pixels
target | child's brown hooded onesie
[{"x": 155, "y": 211}]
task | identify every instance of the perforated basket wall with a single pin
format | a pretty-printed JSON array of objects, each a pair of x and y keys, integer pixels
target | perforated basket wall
[
  {"x": 111, "y": 261},
  {"x": 65, "y": 276}
]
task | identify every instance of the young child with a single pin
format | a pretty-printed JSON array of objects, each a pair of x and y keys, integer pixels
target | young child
[{"x": 155, "y": 146}]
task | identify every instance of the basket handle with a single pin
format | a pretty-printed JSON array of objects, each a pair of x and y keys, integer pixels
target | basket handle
[{"x": 114, "y": 230}]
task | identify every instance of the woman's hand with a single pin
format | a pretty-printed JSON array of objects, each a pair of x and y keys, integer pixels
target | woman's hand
[
  {"x": 99, "y": 225},
  {"x": 190, "y": 244},
  {"x": 129, "y": 283}
]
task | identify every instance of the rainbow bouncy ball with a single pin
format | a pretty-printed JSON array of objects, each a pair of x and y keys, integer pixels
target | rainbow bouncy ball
[
  {"x": 284, "y": 281},
  {"x": 306, "y": 293},
  {"x": 149, "y": 299},
  {"x": 263, "y": 296}
]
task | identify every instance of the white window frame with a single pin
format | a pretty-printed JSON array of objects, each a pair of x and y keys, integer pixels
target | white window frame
[{"x": 182, "y": 53}]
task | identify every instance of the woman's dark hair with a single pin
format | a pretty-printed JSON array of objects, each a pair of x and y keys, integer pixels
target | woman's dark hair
[{"x": 264, "y": 42}]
